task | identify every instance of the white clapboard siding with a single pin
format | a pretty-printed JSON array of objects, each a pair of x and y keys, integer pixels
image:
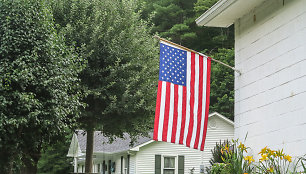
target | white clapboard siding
[
  {"x": 145, "y": 157},
  {"x": 270, "y": 95},
  {"x": 118, "y": 163},
  {"x": 132, "y": 164}
]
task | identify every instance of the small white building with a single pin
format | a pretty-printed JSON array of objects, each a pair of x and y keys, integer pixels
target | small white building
[
  {"x": 270, "y": 52},
  {"x": 148, "y": 156}
]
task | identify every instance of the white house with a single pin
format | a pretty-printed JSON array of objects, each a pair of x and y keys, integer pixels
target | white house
[
  {"x": 148, "y": 156},
  {"x": 270, "y": 51}
]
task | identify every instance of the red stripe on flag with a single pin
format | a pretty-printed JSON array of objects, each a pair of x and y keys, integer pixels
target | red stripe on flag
[
  {"x": 183, "y": 115},
  {"x": 167, "y": 108},
  {"x": 157, "y": 110},
  {"x": 200, "y": 101},
  {"x": 175, "y": 114},
  {"x": 192, "y": 79},
  {"x": 207, "y": 103}
]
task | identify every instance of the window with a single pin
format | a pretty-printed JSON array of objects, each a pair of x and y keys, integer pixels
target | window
[{"x": 169, "y": 165}]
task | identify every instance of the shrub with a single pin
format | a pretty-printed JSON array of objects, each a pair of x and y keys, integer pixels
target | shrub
[
  {"x": 235, "y": 160},
  {"x": 217, "y": 155}
]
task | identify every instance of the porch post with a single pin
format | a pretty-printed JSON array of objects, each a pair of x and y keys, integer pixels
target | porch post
[{"x": 75, "y": 165}]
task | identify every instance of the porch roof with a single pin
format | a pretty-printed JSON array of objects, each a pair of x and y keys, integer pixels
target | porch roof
[{"x": 102, "y": 144}]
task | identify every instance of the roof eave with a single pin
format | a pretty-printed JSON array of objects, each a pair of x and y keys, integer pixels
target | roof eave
[
  {"x": 206, "y": 19},
  {"x": 226, "y": 12},
  {"x": 222, "y": 117},
  {"x": 141, "y": 145}
]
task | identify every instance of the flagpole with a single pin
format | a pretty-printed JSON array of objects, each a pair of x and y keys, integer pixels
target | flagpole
[{"x": 187, "y": 49}]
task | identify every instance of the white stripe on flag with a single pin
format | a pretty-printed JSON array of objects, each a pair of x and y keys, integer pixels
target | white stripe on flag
[
  {"x": 179, "y": 111},
  {"x": 188, "y": 76},
  {"x": 170, "y": 123},
  {"x": 203, "y": 100},
  {"x": 196, "y": 96},
  {"x": 162, "y": 111}
]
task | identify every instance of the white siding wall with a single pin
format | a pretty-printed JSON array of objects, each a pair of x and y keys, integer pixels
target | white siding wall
[
  {"x": 270, "y": 95},
  {"x": 145, "y": 161},
  {"x": 132, "y": 164}
]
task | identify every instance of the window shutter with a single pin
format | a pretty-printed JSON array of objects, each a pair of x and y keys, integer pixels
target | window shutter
[
  {"x": 181, "y": 164},
  {"x": 109, "y": 166},
  {"x": 157, "y": 164},
  {"x": 103, "y": 167},
  {"x": 128, "y": 168},
  {"x": 121, "y": 164}
]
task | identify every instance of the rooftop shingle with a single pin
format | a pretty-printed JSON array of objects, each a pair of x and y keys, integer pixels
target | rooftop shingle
[{"x": 102, "y": 143}]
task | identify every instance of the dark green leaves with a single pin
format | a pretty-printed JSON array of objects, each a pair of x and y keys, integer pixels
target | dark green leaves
[
  {"x": 39, "y": 95},
  {"x": 122, "y": 69}
]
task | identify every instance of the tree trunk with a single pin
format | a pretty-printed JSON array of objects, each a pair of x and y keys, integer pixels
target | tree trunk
[
  {"x": 6, "y": 161},
  {"x": 30, "y": 166},
  {"x": 89, "y": 150}
]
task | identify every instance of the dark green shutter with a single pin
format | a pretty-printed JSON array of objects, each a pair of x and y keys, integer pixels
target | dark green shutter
[
  {"x": 181, "y": 164},
  {"x": 104, "y": 167},
  {"x": 157, "y": 164},
  {"x": 128, "y": 168},
  {"x": 109, "y": 166},
  {"x": 121, "y": 164}
]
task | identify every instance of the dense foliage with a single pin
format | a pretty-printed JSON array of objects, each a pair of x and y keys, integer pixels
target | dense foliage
[
  {"x": 122, "y": 72},
  {"x": 54, "y": 159},
  {"x": 121, "y": 76},
  {"x": 222, "y": 84},
  {"x": 39, "y": 96},
  {"x": 175, "y": 20}
]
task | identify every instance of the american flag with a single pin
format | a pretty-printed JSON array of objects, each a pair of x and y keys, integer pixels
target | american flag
[{"x": 182, "y": 103}]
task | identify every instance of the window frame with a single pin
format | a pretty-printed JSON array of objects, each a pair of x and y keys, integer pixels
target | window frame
[{"x": 175, "y": 163}]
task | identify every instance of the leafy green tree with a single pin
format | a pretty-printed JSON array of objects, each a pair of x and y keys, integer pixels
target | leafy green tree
[
  {"x": 171, "y": 18},
  {"x": 175, "y": 20},
  {"x": 53, "y": 159},
  {"x": 222, "y": 84},
  {"x": 202, "y": 5},
  {"x": 121, "y": 77},
  {"x": 39, "y": 95}
]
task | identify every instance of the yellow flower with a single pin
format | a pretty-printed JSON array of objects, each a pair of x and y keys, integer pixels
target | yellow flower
[
  {"x": 226, "y": 147},
  {"x": 263, "y": 157},
  {"x": 271, "y": 170},
  {"x": 288, "y": 158},
  {"x": 242, "y": 147},
  {"x": 263, "y": 151},
  {"x": 249, "y": 159},
  {"x": 273, "y": 152}
]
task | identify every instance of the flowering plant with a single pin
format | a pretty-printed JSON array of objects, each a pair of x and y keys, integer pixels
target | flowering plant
[
  {"x": 235, "y": 160},
  {"x": 272, "y": 161}
]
